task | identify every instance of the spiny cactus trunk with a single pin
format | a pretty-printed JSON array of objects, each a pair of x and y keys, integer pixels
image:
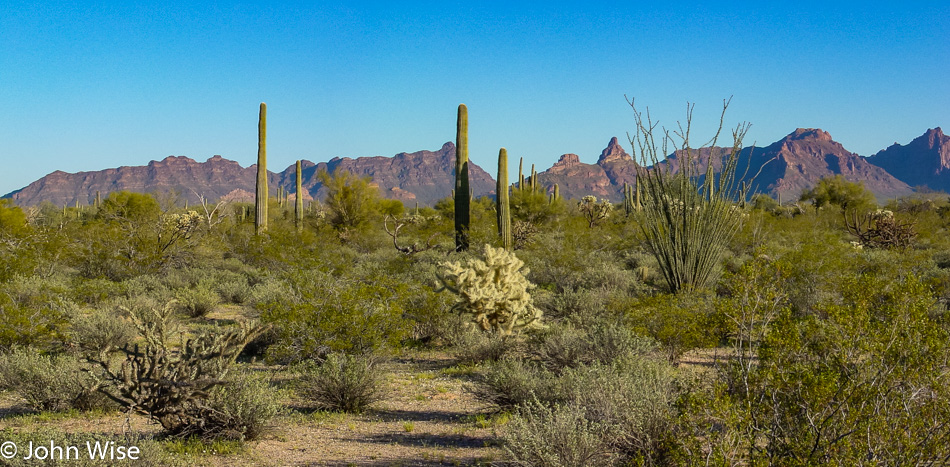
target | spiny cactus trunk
[
  {"x": 627, "y": 200},
  {"x": 260, "y": 198},
  {"x": 521, "y": 173},
  {"x": 557, "y": 192},
  {"x": 636, "y": 199},
  {"x": 504, "y": 208},
  {"x": 298, "y": 218},
  {"x": 534, "y": 180},
  {"x": 462, "y": 197}
]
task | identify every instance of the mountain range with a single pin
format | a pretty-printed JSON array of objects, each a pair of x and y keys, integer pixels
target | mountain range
[{"x": 784, "y": 169}]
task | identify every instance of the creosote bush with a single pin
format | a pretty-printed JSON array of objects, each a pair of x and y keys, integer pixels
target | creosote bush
[
  {"x": 246, "y": 405},
  {"x": 559, "y": 435},
  {"x": 51, "y": 383},
  {"x": 342, "y": 382}
]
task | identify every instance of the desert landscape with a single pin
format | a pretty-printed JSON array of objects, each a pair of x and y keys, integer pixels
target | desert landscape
[{"x": 474, "y": 235}]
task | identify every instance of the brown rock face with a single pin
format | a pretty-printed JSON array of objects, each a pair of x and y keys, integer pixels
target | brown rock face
[
  {"x": 423, "y": 176},
  {"x": 796, "y": 163},
  {"x": 785, "y": 168},
  {"x": 213, "y": 179},
  {"x": 604, "y": 179},
  {"x": 925, "y": 161}
]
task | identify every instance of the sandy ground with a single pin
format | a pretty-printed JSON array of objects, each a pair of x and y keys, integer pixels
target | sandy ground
[{"x": 427, "y": 419}]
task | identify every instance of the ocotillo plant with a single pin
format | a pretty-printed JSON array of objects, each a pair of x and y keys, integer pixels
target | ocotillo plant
[
  {"x": 260, "y": 199},
  {"x": 504, "y": 208},
  {"x": 462, "y": 197},
  {"x": 298, "y": 217}
]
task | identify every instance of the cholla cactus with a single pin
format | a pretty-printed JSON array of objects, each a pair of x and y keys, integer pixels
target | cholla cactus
[
  {"x": 493, "y": 292},
  {"x": 595, "y": 211},
  {"x": 178, "y": 227}
]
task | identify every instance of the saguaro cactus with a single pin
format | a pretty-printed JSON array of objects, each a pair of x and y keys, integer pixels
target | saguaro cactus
[
  {"x": 504, "y": 208},
  {"x": 521, "y": 173},
  {"x": 298, "y": 205},
  {"x": 534, "y": 180},
  {"x": 260, "y": 199},
  {"x": 462, "y": 200}
]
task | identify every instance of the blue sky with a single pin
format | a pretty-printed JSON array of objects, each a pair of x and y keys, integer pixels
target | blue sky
[{"x": 88, "y": 86}]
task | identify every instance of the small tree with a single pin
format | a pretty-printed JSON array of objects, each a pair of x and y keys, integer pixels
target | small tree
[
  {"x": 836, "y": 191},
  {"x": 352, "y": 200}
]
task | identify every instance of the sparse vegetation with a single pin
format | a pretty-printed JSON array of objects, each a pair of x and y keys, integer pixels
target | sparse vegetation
[{"x": 686, "y": 327}]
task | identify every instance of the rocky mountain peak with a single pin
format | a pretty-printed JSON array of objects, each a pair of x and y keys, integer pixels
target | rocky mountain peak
[
  {"x": 567, "y": 160},
  {"x": 925, "y": 161},
  {"x": 805, "y": 134},
  {"x": 613, "y": 152}
]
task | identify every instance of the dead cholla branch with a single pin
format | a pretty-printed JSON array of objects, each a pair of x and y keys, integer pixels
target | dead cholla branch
[
  {"x": 880, "y": 229},
  {"x": 394, "y": 233}
]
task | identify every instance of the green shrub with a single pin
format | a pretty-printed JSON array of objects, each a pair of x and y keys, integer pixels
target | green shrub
[
  {"x": 556, "y": 436},
  {"x": 96, "y": 291},
  {"x": 102, "y": 331},
  {"x": 32, "y": 320},
  {"x": 868, "y": 362},
  {"x": 197, "y": 302},
  {"x": 243, "y": 407},
  {"x": 678, "y": 322},
  {"x": 328, "y": 313},
  {"x": 50, "y": 383},
  {"x": 473, "y": 347},
  {"x": 511, "y": 382},
  {"x": 346, "y": 383},
  {"x": 234, "y": 289},
  {"x": 628, "y": 408},
  {"x": 635, "y": 396}
]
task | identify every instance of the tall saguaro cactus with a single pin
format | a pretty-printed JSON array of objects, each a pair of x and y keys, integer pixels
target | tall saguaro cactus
[
  {"x": 504, "y": 208},
  {"x": 462, "y": 200},
  {"x": 521, "y": 173},
  {"x": 260, "y": 199},
  {"x": 534, "y": 180},
  {"x": 298, "y": 211}
]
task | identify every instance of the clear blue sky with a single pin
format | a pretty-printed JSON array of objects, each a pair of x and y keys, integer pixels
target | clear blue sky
[{"x": 99, "y": 85}]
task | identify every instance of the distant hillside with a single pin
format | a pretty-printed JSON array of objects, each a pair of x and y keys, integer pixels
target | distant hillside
[
  {"x": 923, "y": 161},
  {"x": 805, "y": 156},
  {"x": 788, "y": 166},
  {"x": 423, "y": 177}
]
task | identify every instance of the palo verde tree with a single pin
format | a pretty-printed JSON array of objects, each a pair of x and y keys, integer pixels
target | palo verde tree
[
  {"x": 352, "y": 201},
  {"x": 836, "y": 191}
]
